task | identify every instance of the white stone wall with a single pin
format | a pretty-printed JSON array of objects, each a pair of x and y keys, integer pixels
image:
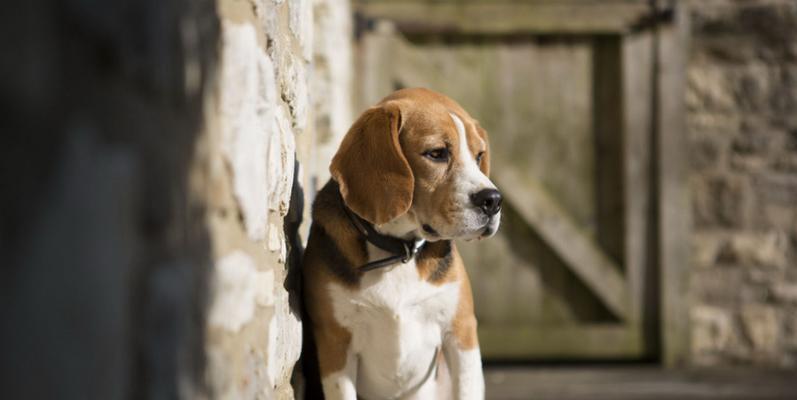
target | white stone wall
[
  {"x": 261, "y": 109},
  {"x": 331, "y": 85}
]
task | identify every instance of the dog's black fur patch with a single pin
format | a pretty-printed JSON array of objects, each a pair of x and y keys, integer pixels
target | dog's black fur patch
[
  {"x": 333, "y": 258},
  {"x": 442, "y": 252}
]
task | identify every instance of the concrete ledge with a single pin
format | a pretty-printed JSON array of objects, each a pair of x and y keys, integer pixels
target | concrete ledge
[{"x": 637, "y": 383}]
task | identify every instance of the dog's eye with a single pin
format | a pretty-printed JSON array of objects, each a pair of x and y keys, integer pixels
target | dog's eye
[
  {"x": 438, "y": 155},
  {"x": 479, "y": 157}
]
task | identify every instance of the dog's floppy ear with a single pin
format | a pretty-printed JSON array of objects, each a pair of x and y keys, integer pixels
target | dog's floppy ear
[{"x": 375, "y": 179}]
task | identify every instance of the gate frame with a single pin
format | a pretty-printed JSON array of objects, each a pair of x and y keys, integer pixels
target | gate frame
[{"x": 611, "y": 21}]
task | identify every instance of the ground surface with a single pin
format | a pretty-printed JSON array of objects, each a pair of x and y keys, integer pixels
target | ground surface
[{"x": 637, "y": 383}]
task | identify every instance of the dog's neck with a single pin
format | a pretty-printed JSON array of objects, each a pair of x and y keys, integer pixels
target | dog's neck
[{"x": 405, "y": 227}]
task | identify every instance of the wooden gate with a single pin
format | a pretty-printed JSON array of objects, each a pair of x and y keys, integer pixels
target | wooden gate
[{"x": 582, "y": 102}]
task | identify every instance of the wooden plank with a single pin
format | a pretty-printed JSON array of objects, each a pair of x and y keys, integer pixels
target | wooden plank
[
  {"x": 622, "y": 90},
  {"x": 494, "y": 17},
  {"x": 609, "y": 102},
  {"x": 598, "y": 272},
  {"x": 581, "y": 342},
  {"x": 637, "y": 382},
  {"x": 637, "y": 88},
  {"x": 674, "y": 213}
]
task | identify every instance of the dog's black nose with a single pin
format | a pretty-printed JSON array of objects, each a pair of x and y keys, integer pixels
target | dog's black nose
[{"x": 489, "y": 200}]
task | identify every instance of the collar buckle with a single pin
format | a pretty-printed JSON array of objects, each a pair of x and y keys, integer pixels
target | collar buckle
[{"x": 409, "y": 252}]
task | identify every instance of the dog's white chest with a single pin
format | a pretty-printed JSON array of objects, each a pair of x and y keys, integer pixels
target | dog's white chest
[{"x": 397, "y": 321}]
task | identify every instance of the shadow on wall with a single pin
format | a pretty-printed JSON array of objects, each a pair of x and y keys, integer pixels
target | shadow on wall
[{"x": 106, "y": 253}]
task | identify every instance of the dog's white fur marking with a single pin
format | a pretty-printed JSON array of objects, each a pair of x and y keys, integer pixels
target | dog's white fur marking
[
  {"x": 470, "y": 180},
  {"x": 466, "y": 371},
  {"x": 398, "y": 322}
]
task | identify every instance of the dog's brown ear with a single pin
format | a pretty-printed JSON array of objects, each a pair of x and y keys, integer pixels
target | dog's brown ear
[{"x": 375, "y": 179}]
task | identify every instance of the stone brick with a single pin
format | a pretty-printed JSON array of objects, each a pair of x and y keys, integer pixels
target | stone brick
[
  {"x": 752, "y": 86},
  {"x": 754, "y": 137},
  {"x": 785, "y": 292},
  {"x": 760, "y": 249},
  {"x": 783, "y": 98},
  {"x": 790, "y": 329},
  {"x": 791, "y": 139},
  {"x": 706, "y": 248},
  {"x": 721, "y": 201},
  {"x": 761, "y": 326},
  {"x": 744, "y": 164},
  {"x": 704, "y": 153},
  {"x": 332, "y": 67},
  {"x": 708, "y": 89},
  {"x": 762, "y": 28},
  {"x": 718, "y": 286},
  {"x": 712, "y": 328},
  {"x": 780, "y": 189},
  {"x": 717, "y": 124},
  {"x": 785, "y": 163},
  {"x": 257, "y": 139}
]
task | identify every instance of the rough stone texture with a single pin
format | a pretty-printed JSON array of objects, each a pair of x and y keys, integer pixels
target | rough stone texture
[
  {"x": 149, "y": 197},
  {"x": 742, "y": 119},
  {"x": 332, "y": 85},
  {"x": 266, "y": 115}
]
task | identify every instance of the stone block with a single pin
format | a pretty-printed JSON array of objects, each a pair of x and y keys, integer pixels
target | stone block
[
  {"x": 704, "y": 152},
  {"x": 785, "y": 292},
  {"x": 735, "y": 48},
  {"x": 776, "y": 216},
  {"x": 713, "y": 123},
  {"x": 289, "y": 39},
  {"x": 790, "y": 329},
  {"x": 761, "y": 324},
  {"x": 755, "y": 136},
  {"x": 783, "y": 98},
  {"x": 718, "y": 286},
  {"x": 705, "y": 248},
  {"x": 784, "y": 163},
  {"x": 778, "y": 189},
  {"x": 721, "y": 201},
  {"x": 752, "y": 85},
  {"x": 766, "y": 29},
  {"x": 708, "y": 89},
  {"x": 238, "y": 287},
  {"x": 756, "y": 249},
  {"x": 301, "y": 26},
  {"x": 258, "y": 141},
  {"x": 712, "y": 328},
  {"x": 747, "y": 163}
]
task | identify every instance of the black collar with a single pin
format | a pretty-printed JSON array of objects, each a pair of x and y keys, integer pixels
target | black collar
[{"x": 402, "y": 250}]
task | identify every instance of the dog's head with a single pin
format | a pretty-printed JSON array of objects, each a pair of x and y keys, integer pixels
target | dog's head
[{"x": 417, "y": 163}]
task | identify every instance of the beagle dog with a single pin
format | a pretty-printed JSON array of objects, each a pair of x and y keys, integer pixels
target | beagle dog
[{"x": 386, "y": 292}]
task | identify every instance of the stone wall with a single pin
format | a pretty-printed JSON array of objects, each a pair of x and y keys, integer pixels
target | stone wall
[
  {"x": 274, "y": 55},
  {"x": 742, "y": 121},
  {"x": 152, "y": 166}
]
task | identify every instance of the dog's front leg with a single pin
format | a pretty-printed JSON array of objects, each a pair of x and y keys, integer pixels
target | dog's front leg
[
  {"x": 464, "y": 361},
  {"x": 338, "y": 366}
]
